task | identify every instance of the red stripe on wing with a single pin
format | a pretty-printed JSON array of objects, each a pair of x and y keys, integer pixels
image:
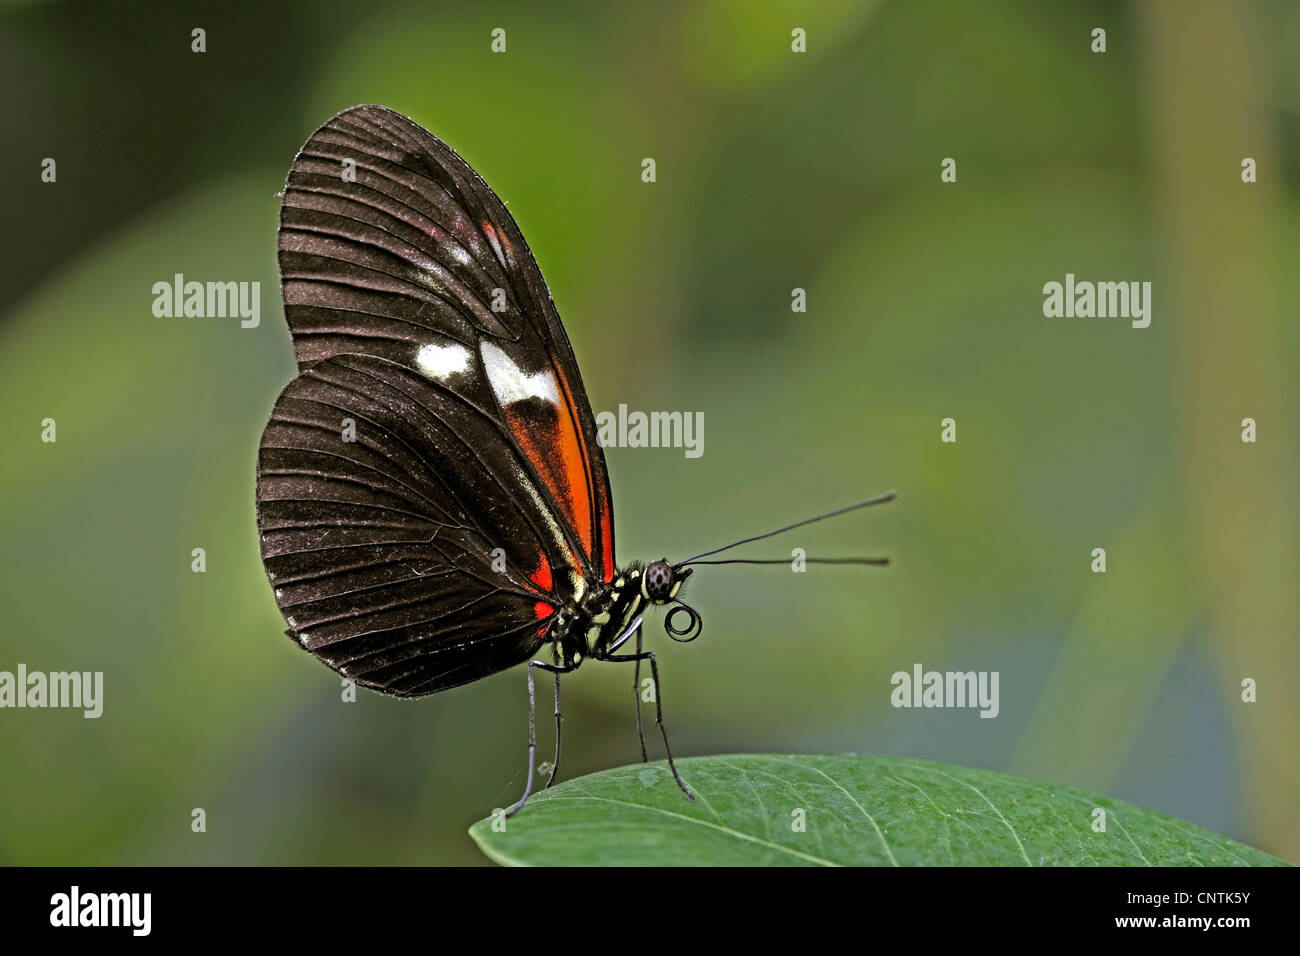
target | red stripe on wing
[
  {"x": 542, "y": 575},
  {"x": 543, "y": 611},
  {"x": 597, "y": 502},
  {"x": 553, "y": 445}
]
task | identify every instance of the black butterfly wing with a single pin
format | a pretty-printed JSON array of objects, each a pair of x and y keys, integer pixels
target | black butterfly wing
[
  {"x": 392, "y": 246},
  {"x": 398, "y": 529}
]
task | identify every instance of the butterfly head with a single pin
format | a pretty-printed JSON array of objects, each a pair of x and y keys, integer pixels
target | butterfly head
[{"x": 661, "y": 581}]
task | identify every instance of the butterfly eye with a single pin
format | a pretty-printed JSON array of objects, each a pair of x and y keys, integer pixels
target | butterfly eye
[{"x": 659, "y": 581}]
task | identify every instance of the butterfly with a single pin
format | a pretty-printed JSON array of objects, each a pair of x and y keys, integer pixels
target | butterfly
[{"x": 433, "y": 505}]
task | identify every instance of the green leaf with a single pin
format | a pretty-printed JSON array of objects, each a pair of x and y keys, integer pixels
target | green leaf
[{"x": 831, "y": 810}]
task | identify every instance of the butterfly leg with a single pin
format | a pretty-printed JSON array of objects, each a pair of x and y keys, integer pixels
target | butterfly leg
[
  {"x": 636, "y": 677},
  {"x": 555, "y": 766},
  {"x": 532, "y": 727},
  {"x": 636, "y": 695},
  {"x": 659, "y": 707}
]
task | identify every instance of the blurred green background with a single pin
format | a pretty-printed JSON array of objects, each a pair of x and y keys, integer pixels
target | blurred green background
[{"x": 775, "y": 171}]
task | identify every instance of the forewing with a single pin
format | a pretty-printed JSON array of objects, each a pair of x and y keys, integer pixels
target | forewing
[
  {"x": 392, "y": 246},
  {"x": 405, "y": 541}
]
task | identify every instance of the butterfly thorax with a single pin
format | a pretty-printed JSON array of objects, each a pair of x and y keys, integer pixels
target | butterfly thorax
[{"x": 589, "y": 626}]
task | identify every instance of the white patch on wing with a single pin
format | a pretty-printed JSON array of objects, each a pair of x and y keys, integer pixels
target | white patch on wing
[
  {"x": 442, "y": 361},
  {"x": 512, "y": 384}
]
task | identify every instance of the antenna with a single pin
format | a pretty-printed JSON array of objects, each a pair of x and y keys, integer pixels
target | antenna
[{"x": 879, "y": 499}]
